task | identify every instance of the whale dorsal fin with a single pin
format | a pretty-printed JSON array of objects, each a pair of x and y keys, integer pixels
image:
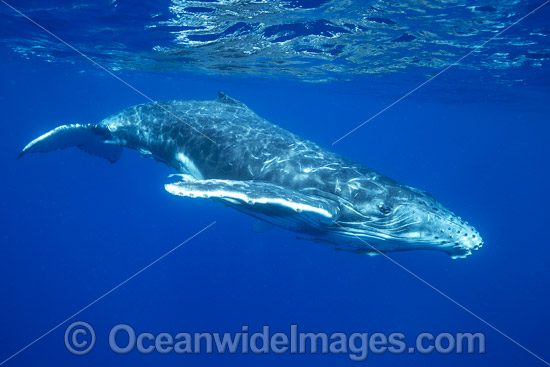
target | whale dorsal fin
[{"x": 224, "y": 98}]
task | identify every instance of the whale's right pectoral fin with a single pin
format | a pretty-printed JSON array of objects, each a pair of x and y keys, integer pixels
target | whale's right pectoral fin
[
  {"x": 275, "y": 204},
  {"x": 93, "y": 139}
]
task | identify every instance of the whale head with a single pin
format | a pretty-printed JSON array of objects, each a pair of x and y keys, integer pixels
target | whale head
[{"x": 393, "y": 217}]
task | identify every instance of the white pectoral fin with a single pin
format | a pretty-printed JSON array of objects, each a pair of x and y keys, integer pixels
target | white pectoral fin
[{"x": 275, "y": 204}]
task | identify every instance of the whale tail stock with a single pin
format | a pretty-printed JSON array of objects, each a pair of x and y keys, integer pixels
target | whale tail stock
[{"x": 93, "y": 139}]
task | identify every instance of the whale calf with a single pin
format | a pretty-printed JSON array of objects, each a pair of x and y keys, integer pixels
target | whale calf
[{"x": 222, "y": 150}]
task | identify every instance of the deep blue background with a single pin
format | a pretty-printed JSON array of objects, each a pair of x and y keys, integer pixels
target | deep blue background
[{"x": 74, "y": 226}]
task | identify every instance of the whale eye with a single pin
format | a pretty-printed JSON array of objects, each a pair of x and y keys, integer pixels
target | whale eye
[{"x": 384, "y": 209}]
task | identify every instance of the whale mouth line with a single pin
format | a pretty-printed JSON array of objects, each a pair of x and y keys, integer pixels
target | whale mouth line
[
  {"x": 405, "y": 215},
  {"x": 382, "y": 242},
  {"x": 361, "y": 233},
  {"x": 399, "y": 230}
]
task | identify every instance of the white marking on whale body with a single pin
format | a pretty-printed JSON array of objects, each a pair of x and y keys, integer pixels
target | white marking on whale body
[
  {"x": 188, "y": 165},
  {"x": 184, "y": 177},
  {"x": 145, "y": 152}
]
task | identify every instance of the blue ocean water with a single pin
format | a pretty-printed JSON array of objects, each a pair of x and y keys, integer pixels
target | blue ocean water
[{"x": 75, "y": 226}]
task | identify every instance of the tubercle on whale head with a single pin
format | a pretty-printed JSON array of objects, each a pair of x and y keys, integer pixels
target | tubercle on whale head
[{"x": 397, "y": 217}]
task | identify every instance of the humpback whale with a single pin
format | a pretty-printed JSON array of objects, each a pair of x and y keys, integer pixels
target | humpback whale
[{"x": 223, "y": 150}]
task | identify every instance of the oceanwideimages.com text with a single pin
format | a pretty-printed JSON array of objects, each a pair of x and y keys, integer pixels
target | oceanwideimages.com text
[{"x": 80, "y": 339}]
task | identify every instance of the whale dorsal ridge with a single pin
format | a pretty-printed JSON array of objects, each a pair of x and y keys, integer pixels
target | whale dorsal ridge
[{"x": 224, "y": 98}]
